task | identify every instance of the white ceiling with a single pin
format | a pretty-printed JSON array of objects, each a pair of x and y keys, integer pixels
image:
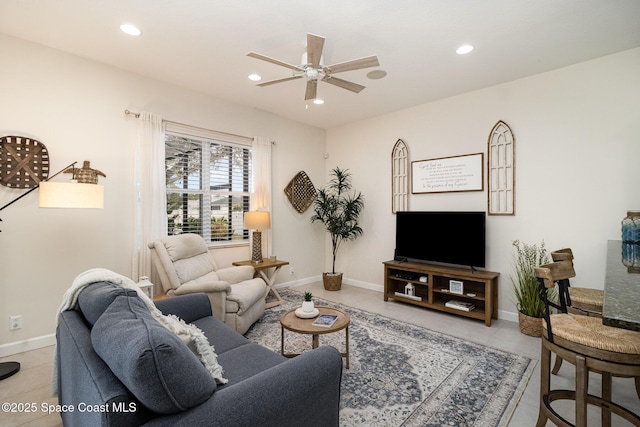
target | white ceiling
[{"x": 202, "y": 44}]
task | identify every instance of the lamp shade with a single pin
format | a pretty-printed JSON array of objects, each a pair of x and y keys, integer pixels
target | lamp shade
[
  {"x": 256, "y": 220},
  {"x": 71, "y": 195}
]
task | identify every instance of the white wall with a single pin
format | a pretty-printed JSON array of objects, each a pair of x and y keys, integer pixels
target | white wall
[
  {"x": 577, "y": 149},
  {"x": 76, "y": 108}
]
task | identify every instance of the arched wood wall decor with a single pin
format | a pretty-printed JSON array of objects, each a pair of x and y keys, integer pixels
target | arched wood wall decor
[
  {"x": 501, "y": 170},
  {"x": 400, "y": 177}
]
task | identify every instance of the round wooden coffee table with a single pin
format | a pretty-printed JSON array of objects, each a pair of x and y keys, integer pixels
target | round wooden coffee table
[{"x": 293, "y": 323}]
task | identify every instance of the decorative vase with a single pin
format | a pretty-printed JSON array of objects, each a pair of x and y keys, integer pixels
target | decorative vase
[
  {"x": 631, "y": 227},
  {"x": 531, "y": 326},
  {"x": 332, "y": 281},
  {"x": 631, "y": 241},
  {"x": 307, "y": 306}
]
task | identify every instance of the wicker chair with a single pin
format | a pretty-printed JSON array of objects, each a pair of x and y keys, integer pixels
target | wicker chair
[
  {"x": 585, "y": 301},
  {"x": 590, "y": 346}
]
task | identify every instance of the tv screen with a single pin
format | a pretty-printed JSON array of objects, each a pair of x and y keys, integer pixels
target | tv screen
[{"x": 443, "y": 237}]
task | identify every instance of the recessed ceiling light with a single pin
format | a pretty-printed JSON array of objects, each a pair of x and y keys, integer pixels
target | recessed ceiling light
[
  {"x": 376, "y": 74},
  {"x": 464, "y": 49},
  {"x": 255, "y": 77},
  {"x": 130, "y": 29},
  {"x": 318, "y": 101}
]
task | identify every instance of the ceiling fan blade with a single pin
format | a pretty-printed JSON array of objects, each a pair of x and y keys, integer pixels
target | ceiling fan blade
[
  {"x": 274, "y": 61},
  {"x": 315, "y": 44},
  {"x": 356, "y": 64},
  {"x": 353, "y": 87},
  {"x": 312, "y": 90},
  {"x": 272, "y": 82}
]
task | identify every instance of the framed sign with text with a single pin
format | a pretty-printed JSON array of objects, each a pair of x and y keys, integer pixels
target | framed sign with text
[{"x": 448, "y": 174}]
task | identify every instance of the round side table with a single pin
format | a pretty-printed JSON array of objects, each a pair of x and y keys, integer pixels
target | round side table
[{"x": 293, "y": 323}]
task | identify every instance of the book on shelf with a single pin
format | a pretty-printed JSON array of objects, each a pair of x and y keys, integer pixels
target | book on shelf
[
  {"x": 413, "y": 297},
  {"x": 460, "y": 305},
  {"x": 325, "y": 320}
]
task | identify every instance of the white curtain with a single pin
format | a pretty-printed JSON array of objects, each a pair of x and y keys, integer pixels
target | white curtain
[
  {"x": 261, "y": 196},
  {"x": 150, "y": 191}
]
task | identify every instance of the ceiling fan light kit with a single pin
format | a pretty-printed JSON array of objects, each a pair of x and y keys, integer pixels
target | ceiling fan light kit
[{"x": 313, "y": 69}]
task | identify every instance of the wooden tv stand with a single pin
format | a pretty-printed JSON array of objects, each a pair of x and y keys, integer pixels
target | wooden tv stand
[{"x": 434, "y": 293}]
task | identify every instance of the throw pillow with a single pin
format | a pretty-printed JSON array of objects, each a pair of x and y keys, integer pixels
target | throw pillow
[
  {"x": 94, "y": 299},
  {"x": 154, "y": 364}
]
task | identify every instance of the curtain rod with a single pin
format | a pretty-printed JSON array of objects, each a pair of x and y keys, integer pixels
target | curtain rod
[{"x": 137, "y": 115}]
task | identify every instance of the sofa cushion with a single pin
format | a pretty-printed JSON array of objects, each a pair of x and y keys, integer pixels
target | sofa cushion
[
  {"x": 246, "y": 361},
  {"x": 154, "y": 364},
  {"x": 220, "y": 335},
  {"x": 93, "y": 300}
]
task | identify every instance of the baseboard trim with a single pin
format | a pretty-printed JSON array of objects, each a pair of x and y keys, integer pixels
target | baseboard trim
[
  {"x": 502, "y": 314},
  {"x": 27, "y": 345},
  {"x": 298, "y": 282},
  {"x": 365, "y": 285},
  {"x": 508, "y": 315},
  {"x": 47, "y": 340}
]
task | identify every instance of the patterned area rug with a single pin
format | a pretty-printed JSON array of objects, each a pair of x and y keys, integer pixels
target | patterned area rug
[{"x": 406, "y": 375}]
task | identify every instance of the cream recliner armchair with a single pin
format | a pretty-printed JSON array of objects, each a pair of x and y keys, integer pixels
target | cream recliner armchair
[{"x": 185, "y": 266}]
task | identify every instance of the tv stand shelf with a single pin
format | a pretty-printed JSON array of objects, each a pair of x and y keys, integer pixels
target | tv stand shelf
[{"x": 480, "y": 288}]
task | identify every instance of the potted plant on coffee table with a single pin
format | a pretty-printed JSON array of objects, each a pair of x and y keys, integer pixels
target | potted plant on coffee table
[
  {"x": 338, "y": 209},
  {"x": 525, "y": 286},
  {"x": 307, "y": 304}
]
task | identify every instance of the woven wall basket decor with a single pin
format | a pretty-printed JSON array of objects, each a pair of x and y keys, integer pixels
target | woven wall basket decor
[
  {"x": 300, "y": 192},
  {"x": 24, "y": 162}
]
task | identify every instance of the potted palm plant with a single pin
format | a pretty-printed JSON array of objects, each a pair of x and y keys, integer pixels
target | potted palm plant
[
  {"x": 338, "y": 209},
  {"x": 525, "y": 286}
]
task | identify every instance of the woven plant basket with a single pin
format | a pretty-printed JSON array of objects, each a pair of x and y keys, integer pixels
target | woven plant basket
[
  {"x": 332, "y": 282},
  {"x": 531, "y": 326}
]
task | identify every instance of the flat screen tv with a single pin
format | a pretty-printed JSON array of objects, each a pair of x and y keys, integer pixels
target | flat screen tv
[{"x": 441, "y": 237}]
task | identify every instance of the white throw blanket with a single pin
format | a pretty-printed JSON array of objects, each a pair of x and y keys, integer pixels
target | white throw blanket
[{"x": 187, "y": 332}]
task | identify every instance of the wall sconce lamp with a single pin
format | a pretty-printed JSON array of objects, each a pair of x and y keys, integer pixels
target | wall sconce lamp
[{"x": 256, "y": 221}]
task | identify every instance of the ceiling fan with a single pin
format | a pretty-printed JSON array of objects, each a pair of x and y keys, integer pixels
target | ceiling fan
[{"x": 313, "y": 69}]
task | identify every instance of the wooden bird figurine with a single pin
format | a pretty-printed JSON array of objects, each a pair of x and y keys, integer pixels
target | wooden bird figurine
[{"x": 85, "y": 175}]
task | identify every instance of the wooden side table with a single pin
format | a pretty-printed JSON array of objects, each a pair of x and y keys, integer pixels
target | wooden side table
[
  {"x": 264, "y": 269},
  {"x": 293, "y": 323}
]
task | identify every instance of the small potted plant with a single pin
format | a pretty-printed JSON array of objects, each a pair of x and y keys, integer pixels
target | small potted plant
[
  {"x": 307, "y": 304},
  {"x": 525, "y": 286},
  {"x": 338, "y": 210}
]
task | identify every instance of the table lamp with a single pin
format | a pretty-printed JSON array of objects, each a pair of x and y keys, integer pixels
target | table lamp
[{"x": 256, "y": 221}]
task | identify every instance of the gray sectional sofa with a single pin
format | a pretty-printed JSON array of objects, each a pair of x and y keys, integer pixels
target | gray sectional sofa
[{"x": 118, "y": 366}]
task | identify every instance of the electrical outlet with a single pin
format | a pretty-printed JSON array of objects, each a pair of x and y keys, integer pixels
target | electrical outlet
[
  {"x": 15, "y": 322},
  {"x": 291, "y": 271}
]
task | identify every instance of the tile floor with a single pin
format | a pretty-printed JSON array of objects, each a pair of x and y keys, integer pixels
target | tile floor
[{"x": 31, "y": 384}]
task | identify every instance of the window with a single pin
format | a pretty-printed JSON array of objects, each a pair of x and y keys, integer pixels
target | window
[{"x": 208, "y": 185}]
